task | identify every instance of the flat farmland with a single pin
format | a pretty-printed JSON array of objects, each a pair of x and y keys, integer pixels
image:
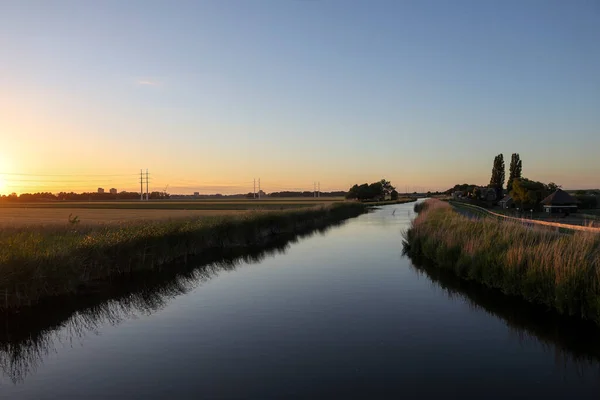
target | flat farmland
[
  {"x": 117, "y": 212},
  {"x": 20, "y": 217},
  {"x": 242, "y": 204}
]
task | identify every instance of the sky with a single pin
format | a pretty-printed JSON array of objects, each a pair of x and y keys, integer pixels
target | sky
[{"x": 210, "y": 95}]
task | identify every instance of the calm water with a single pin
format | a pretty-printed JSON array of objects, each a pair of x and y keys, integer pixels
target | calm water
[{"x": 338, "y": 314}]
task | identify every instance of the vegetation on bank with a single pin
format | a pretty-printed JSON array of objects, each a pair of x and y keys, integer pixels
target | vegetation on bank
[
  {"x": 401, "y": 200},
  {"x": 376, "y": 191},
  {"x": 28, "y": 336},
  {"x": 557, "y": 270},
  {"x": 36, "y": 263}
]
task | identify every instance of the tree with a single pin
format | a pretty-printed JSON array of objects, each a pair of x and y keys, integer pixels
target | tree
[
  {"x": 515, "y": 170},
  {"x": 498, "y": 175},
  {"x": 527, "y": 193},
  {"x": 552, "y": 187},
  {"x": 394, "y": 194},
  {"x": 374, "y": 191}
]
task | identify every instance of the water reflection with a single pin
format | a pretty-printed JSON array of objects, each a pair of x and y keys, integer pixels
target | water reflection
[
  {"x": 29, "y": 336},
  {"x": 573, "y": 342}
]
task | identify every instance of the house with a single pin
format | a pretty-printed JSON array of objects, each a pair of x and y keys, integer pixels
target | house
[
  {"x": 507, "y": 202},
  {"x": 560, "y": 202},
  {"x": 487, "y": 194},
  {"x": 457, "y": 195}
]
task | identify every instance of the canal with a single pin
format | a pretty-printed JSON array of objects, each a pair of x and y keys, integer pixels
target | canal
[{"x": 340, "y": 313}]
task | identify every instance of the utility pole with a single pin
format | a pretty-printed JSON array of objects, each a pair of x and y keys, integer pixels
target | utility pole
[
  {"x": 319, "y": 190},
  {"x": 141, "y": 186},
  {"x": 259, "y": 188},
  {"x": 147, "y": 196},
  {"x": 315, "y": 190},
  {"x": 254, "y": 193}
]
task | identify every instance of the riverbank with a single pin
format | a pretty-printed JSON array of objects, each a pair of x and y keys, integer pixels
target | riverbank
[
  {"x": 43, "y": 262},
  {"x": 549, "y": 268},
  {"x": 402, "y": 200}
]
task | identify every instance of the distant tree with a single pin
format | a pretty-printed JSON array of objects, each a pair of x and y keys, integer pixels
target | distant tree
[
  {"x": 528, "y": 194},
  {"x": 374, "y": 191},
  {"x": 353, "y": 192},
  {"x": 552, "y": 187},
  {"x": 465, "y": 188},
  {"x": 394, "y": 194},
  {"x": 515, "y": 170},
  {"x": 498, "y": 175},
  {"x": 585, "y": 201}
]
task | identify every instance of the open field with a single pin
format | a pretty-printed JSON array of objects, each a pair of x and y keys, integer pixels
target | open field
[
  {"x": 557, "y": 270},
  {"x": 242, "y": 204},
  {"x": 115, "y": 212},
  {"x": 20, "y": 217}
]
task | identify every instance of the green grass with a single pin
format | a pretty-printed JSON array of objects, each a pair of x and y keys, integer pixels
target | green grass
[
  {"x": 545, "y": 267},
  {"x": 36, "y": 263}
]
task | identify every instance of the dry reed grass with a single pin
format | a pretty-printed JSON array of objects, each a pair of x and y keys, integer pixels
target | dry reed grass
[
  {"x": 559, "y": 270},
  {"x": 48, "y": 261}
]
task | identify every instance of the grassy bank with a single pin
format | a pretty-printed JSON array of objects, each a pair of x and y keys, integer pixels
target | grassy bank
[
  {"x": 557, "y": 270},
  {"x": 45, "y": 262},
  {"x": 29, "y": 335}
]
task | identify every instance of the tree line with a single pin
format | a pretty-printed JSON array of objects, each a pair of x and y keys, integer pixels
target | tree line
[
  {"x": 72, "y": 196},
  {"x": 339, "y": 193},
  {"x": 375, "y": 191}
]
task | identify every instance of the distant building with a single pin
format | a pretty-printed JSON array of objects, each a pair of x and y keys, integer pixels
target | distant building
[
  {"x": 560, "y": 202},
  {"x": 113, "y": 191},
  {"x": 196, "y": 194},
  {"x": 100, "y": 190},
  {"x": 507, "y": 202}
]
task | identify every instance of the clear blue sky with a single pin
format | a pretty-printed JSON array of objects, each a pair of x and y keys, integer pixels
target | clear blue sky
[{"x": 210, "y": 94}]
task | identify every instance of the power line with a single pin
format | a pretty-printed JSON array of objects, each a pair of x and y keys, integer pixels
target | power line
[
  {"x": 62, "y": 181},
  {"x": 68, "y": 175}
]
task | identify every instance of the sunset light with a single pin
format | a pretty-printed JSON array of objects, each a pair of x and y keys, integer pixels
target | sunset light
[{"x": 314, "y": 199}]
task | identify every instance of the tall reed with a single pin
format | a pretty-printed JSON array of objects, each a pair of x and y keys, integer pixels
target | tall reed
[
  {"x": 39, "y": 262},
  {"x": 561, "y": 271}
]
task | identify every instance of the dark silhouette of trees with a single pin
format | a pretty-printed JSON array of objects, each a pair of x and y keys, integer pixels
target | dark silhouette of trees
[
  {"x": 374, "y": 191},
  {"x": 86, "y": 196},
  {"x": 498, "y": 175},
  {"x": 515, "y": 170}
]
